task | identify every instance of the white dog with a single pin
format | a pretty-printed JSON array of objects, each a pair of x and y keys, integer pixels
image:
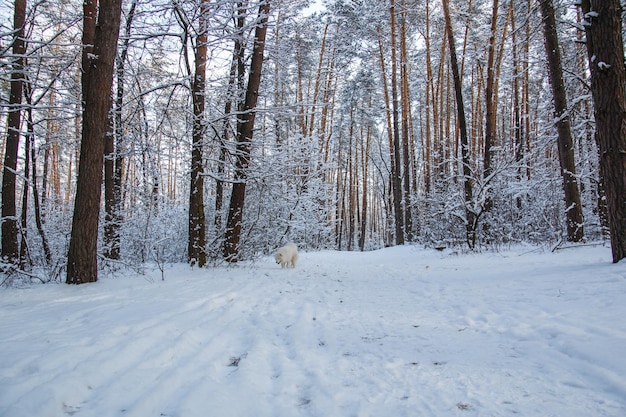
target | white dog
[{"x": 287, "y": 256}]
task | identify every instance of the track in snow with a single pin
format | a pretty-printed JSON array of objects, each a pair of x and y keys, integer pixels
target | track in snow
[{"x": 398, "y": 332}]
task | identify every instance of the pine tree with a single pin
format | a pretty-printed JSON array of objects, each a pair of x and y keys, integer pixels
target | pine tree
[
  {"x": 10, "y": 251},
  {"x": 196, "y": 251},
  {"x": 605, "y": 50},
  {"x": 82, "y": 262},
  {"x": 245, "y": 128},
  {"x": 573, "y": 207}
]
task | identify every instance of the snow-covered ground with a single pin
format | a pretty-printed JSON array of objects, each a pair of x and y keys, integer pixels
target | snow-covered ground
[{"x": 398, "y": 332}]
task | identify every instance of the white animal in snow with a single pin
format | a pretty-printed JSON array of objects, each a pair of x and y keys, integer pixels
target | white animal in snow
[{"x": 287, "y": 256}]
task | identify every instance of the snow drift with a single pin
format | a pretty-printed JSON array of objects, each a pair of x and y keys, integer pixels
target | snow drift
[{"x": 403, "y": 331}]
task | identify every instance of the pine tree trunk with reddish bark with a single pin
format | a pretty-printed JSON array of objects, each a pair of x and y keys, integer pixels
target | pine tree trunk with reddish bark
[
  {"x": 245, "y": 128},
  {"x": 10, "y": 249},
  {"x": 573, "y": 207},
  {"x": 82, "y": 262},
  {"x": 196, "y": 251},
  {"x": 605, "y": 50}
]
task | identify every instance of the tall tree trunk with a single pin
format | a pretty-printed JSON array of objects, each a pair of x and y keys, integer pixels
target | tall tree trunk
[
  {"x": 51, "y": 177},
  {"x": 428, "y": 108},
  {"x": 90, "y": 16},
  {"x": 339, "y": 193},
  {"x": 196, "y": 251},
  {"x": 389, "y": 118},
  {"x": 245, "y": 128},
  {"x": 113, "y": 159},
  {"x": 82, "y": 262},
  {"x": 224, "y": 139},
  {"x": 439, "y": 114},
  {"x": 407, "y": 136},
  {"x": 318, "y": 81},
  {"x": 30, "y": 155},
  {"x": 111, "y": 244},
  {"x": 330, "y": 90},
  {"x": 38, "y": 217},
  {"x": 605, "y": 50},
  {"x": 517, "y": 126},
  {"x": 364, "y": 204},
  {"x": 490, "y": 104},
  {"x": 235, "y": 87},
  {"x": 397, "y": 172},
  {"x": 28, "y": 145},
  {"x": 573, "y": 208},
  {"x": 350, "y": 179},
  {"x": 595, "y": 186},
  {"x": 10, "y": 250},
  {"x": 470, "y": 216},
  {"x": 526, "y": 117}
]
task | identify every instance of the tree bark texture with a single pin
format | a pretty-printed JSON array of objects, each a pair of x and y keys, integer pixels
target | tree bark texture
[
  {"x": 407, "y": 136},
  {"x": 490, "y": 105},
  {"x": 396, "y": 167},
  {"x": 573, "y": 208},
  {"x": 392, "y": 157},
  {"x": 82, "y": 263},
  {"x": 29, "y": 143},
  {"x": 245, "y": 128},
  {"x": 196, "y": 251},
  {"x": 90, "y": 16},
  {"x": 605, "y": 50},
  {"x": 113, "y": 159},
  {"x": 470, "y": 216},
  {"x": 428, "y": 106},
  {"x": 10, "y": 250}
]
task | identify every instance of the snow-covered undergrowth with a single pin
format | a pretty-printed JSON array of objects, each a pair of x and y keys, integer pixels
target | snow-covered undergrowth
[{"x": 398, "y": 332}]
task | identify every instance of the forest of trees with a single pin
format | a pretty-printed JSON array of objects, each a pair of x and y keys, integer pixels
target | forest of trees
[{"x": 208, "y": 131}]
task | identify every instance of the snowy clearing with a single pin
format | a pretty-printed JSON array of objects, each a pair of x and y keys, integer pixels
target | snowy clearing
[{"x": 397, "y": 332}]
